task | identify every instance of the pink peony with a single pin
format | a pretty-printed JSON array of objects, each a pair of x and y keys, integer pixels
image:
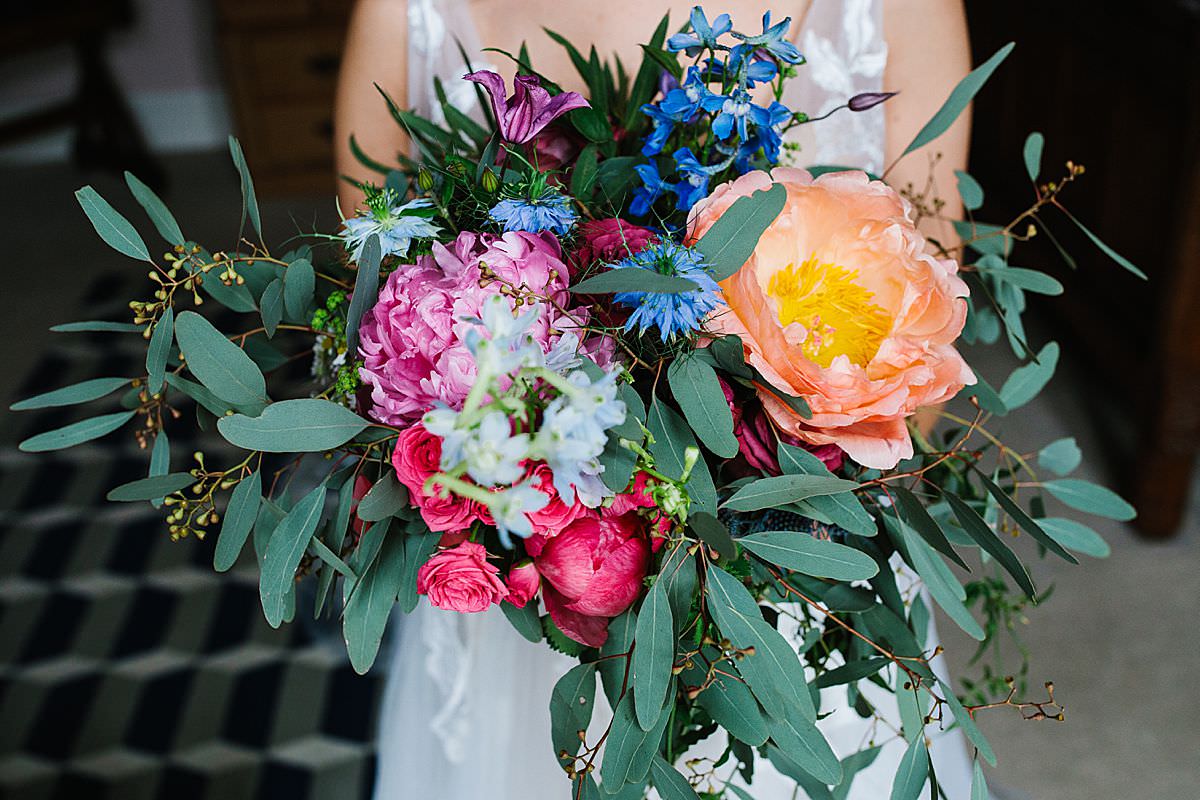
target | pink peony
[
  {"x": 609, "y": 240},
  {"x": 592, "y": 571},
  {"x": 523, "y": 583},
  {"x": 417, "y": 456},
  {"x": 461, "y": 579},
  {"x": 411, "y": 341}
]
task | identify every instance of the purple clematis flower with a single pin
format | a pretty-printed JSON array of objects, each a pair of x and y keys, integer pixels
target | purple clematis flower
[{"x": 529, "y": 110}]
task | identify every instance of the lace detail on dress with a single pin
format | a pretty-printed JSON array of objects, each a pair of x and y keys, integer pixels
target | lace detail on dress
[
  {"x": 449, "y": 663},
  {"x": 846, "y": 53},
  {"x": 433, "y": 28}
]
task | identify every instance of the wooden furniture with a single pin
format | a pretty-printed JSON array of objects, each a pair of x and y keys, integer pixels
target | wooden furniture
[
  {"x": 281, "y": 60},
  {"x": 1114, "y": 87}
]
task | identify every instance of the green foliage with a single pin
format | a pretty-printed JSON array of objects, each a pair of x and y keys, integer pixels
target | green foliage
[
  {"x": 670, "y": 784},
  {"x": 293, "y": 426},
  {"x": 159, "y": 214},
  {"x": 219, "y": 364},
  {"x": 803, "y": 553},
  {"x": 1074, "y": 535},
  {"x": 913, "y": 771},
  {"x": 728, "y": 244},
  {"x": 632, "y": 279},
  {"x": 299, "y": 284},
  {"x": 525, "y": 620},
  {"x": 1027, "y": 381},
  {"x": 249, "y": 200},
  {"x": 159, "y": 350},
  {"x": 286, "y": 547},
  {"x": 240, "y": 515},
  {"x": 780, "y": 490},
  {"x": 386, "y": 498},
  {"x": 75, "y": 433},
  {"x": 1032, "y": 154},
  {"x": 114, "y": 229},
  {"x": 958, "y": 100},
  {"x": 366, "y": 289},
  {"x": 150, "y": 488},
  {"x": 365, "y": 617},
  {"x": 671, "y": 439},
  {"x": 571, "y": 704},
  {"x": 1061, "y": 457},
  {"x": 82, "y": 392},
  {"x": 1090, "y": 497},
  {"x": 653, "y": 655}
]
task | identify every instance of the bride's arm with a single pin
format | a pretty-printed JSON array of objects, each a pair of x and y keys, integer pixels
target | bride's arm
[
  {"x": 928, "y": 54},
  {"x": 376, "y": 51}
]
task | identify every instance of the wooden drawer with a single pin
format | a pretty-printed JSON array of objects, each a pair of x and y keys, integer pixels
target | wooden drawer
[
  {"x": 298, "y": 64},
  {"x": 292, "y": 134},
  {"x": 264, "y": 11}
]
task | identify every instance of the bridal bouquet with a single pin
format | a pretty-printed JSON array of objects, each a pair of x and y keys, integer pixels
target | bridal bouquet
[{"x": 606, "y": 364}]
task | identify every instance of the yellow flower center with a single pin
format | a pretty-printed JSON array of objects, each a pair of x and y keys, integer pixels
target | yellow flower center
[{"x": 837, "y": 313}]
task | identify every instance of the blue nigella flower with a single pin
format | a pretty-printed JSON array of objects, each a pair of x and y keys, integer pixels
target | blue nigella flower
[
  {"x": 548, "y": 211},
  {"x": 771, "y": 40},
  {"x": 395, "y": 225},
  {"x": 652, "y": 188},
  {"x": 674, "y": 314},
  {"x": 684, "y": 102},
  {"x": 696, "y": 176},
  {"x": 663, "y": 125},
  {"x": 703, "y": 35}
]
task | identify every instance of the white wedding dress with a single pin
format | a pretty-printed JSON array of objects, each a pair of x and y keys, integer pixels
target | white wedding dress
[{"x": 466, "y": 707}]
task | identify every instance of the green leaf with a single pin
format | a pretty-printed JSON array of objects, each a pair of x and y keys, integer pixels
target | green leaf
[
  {"x": 583, "y": 176},
  {"x": 943, "y": 586},
  {"x": 619, "y": 463},
  {"x": 114, "y": 229},
  {"x": 299, "y": 283},
  {"x": 646, "y": 82},
  {"x": 158, "y": 351},
  {"x": 75, "y": 433},
  {"x": 783, "y": 489},
  {"x": 293, "y": 426},
  {"x": 366, "y": 290},
  {"x": 151, "y": 488},
  {"x": 958, "y": 100},
  {"x": 843, "y": 509},
  {"x": 632, "y": 279},
  {"x": 917, "y": 516},
  {"x": 418, "y": 547},
  {"x": 249, "y": 201},
  {"x": 672, "y": 437},
  {"x": 206, "y": 399},
  {"x": 235, "y": 297},
  {"x": 1061, "y": 457},
  {"x": 76, "y": 393},
  {"x": 525, "y": 620},
  {"x": 163, "y": 221},
  {"x": 1076, "y": 536},
  {"x": 1022, "y": 519},
  {"x": 284, "y": 551},
  {"x": 774, "y": 671},
  {"x": 851, "y": 766},
  {"x": 240, "y": 515},
  {"x": 713, "y": 533},
  {"x": 271, "y": 306},
  {"x": 331, "y": 559},
  {"x": 811, "y": 788},
  {"x": 1026, "y": 381},
  {"x": 913, "y": 770},
  {"x": 969, "y": 190},
  {"x": 97, "y": 325},
  {"x": 1108, "y": 251},
  {"x": 218, "y": 363},
  {"x": 571, "y": 704},
  {"x": 1030, "y": 280},
  {"x": 698, "y": 392},
  {"x": 804, "y": 746},
  {"x": 629, "y": 749},
  {"x": 160, "y": 460},
  {"x": 850, "y": 672},
  {"x": 1092, "y": 498},
  {"x": 366, "y": 614},
  {"x": 992, "y": 544},
  {"x": 989, "y": 398},
  {"x": 731, "y": 240},
  {"x": 979, "y": 787},
  {"x": 1033, "y": 155},
  {"x": 967, "y": 723},
  {"x": 803, "y": 553},
  {"x": 670, "y": 784},
  {"x": 385, "y": 499},
  {"x": 336, "y": 533},
  {"x": 653, "y": 655}
]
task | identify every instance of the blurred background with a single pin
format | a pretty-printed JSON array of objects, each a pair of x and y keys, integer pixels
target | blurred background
[{"x": 128, "y": 669}]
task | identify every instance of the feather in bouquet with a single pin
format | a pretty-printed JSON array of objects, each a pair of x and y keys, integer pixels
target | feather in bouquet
[{"x": 603, "y": 363}]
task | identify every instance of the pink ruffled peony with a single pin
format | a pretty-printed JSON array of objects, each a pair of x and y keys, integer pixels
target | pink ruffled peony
[
  {"x": 609, "y": 240},
  {"x": 461, "y": 579},
  {"x": 592, "y": 571},
  {"x": 411, "y": 341},
  {"x": 523, "y": 583},
  {"x": 416, "y": 458},
  {"x": 842, "y": 304}
]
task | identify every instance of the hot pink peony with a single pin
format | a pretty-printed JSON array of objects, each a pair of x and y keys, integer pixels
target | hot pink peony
[
  {"x": 592, "y": 571},
  {"x": 523, "y": 583},
  {"x": 842, "y": 304},
  {"x": 411, "y": 341},
  {"x": 461, "y": 579},
  {"x": 609, "y": 240},
  {"x": 416, "y": 458}
]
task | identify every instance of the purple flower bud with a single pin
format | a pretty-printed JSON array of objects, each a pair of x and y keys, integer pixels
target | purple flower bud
[{"x": 866, "y": 100}]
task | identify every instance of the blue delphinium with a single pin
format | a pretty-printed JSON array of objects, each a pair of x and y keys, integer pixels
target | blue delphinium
[
  {"x": 772, "y": 40},
  {"x": 683, "y": 103},
  {"x": 694, "y": 186},
  {"x": 543, "y": 208},
  {"x": 652, "y": 188},
  {"x": 673, "y": 314},
  {"x": 663, "y": 125},
  {"x": 733, "y": 111},
  {"x": 703, "y": 34},
  {"x": 396, "y": 224}
]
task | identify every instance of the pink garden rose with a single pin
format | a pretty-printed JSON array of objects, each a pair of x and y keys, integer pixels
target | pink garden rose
[
  {"x": 411, "y": 341},
  {"x": 556, "y": 514},
  {"x": 417, "y": 456},
  {"x": 523, "y": 583},
  {"x": 461, "y": 579},
  {"x": 609, "y": 240},
  {"x": 592, "y": 571}
]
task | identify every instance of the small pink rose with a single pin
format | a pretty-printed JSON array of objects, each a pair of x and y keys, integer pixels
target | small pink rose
[
  {"x": 417, "y": 457},
  {"x": 461, "y": 579},
  {"x": 609, "y": 240},
  {"x": 523, "y": 583}
]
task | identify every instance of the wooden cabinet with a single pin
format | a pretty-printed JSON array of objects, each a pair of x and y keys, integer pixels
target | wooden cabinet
[{"x": 281, "y": 61}]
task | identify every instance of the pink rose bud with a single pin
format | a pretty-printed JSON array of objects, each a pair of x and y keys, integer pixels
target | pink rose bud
[
  {"x": 461, "y": 579},
  {"x": 523, "y": 583}
]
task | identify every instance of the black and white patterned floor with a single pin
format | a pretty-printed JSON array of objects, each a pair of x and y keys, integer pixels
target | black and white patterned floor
[{"x": 129, "y": 669}]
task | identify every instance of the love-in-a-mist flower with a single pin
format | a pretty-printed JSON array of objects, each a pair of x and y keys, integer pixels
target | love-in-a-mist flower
[
  {"x": 703, "y": 35},
  {"x": 396, "y": 224},
  {"x": 674, "y": 313},
  {"x": 539, "y": 207},
  {"x": 529, "y": 110}
]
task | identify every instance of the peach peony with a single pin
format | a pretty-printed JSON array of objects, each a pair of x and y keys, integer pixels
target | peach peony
[{"x": 842, "y": 304}]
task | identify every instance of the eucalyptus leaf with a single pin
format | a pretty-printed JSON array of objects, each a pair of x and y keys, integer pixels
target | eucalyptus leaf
[
  {"x": 1076, "y": 536},
  {"x": 632, "y": 279},
  {"x": 912, "y": 772},
  {"x": 1032, "y": 153},
  {"x": 271, "y": 306},
  {"x": 203, "y": 397},
  {"x": 1028, "y": 279},
  {"x": 731, "y": 240},
  {"x": 947, "y": 592},
  {"x": 219, "y": 364},
  {"x": 1090, "y": 497},
  {"x": 967, "y": 723},
  {"x": 307, "y": 425},
  {"x": 299, "y": 284},
  {"x": 699, "y": 394},
  {"x": 629, "y": 748},
  {"x": 918, "y": 517},
  {"x": 851, "y": 671},
  {"x": 1014, "y": 510},
  {"x": 525, "y": 620},
  {"x": 366, "y": 289},
  {"x": 1104, "y": 248},
  {"x": 75, "y": 433},
  {"x": 806, "y": 747},
  {"x": 983, "y": 535},
  {"x": 1061, "y": 457},
  {"x": 160, "y": 460},
  {"x": 151, "y": 488},
  {"x": 969, "y": 190},
  {"x": 239, "y": 519},
  {"x": 804, "y": 553},
  {"x": 385, "y": 499},
  {"x": 76, "y": 393},
  {"x": 284, "y": 551},
  {"x": 1027, "y": 381},
  {"x": 96, "y": 325},
  {"x": 249, "y": 200},
  {"x": 158, "y": 351},
  {"x": 979, "y": 787},
  {"x": 571, "y": 704},
  {"x": 418, "y": 547},
  {"x": 780, "y": 490},
  {"x": 162, "y": 218},
  {"x": 958, "y": 100},
  {"x": 114, "y": 229},
  {"x": 672, "y": 438},
  {"x": 669, "y": 783},
  {"x": 713, "y": 533},
  {"x": 366, "y": 614},
  {"x": 653, "y": 655}
]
